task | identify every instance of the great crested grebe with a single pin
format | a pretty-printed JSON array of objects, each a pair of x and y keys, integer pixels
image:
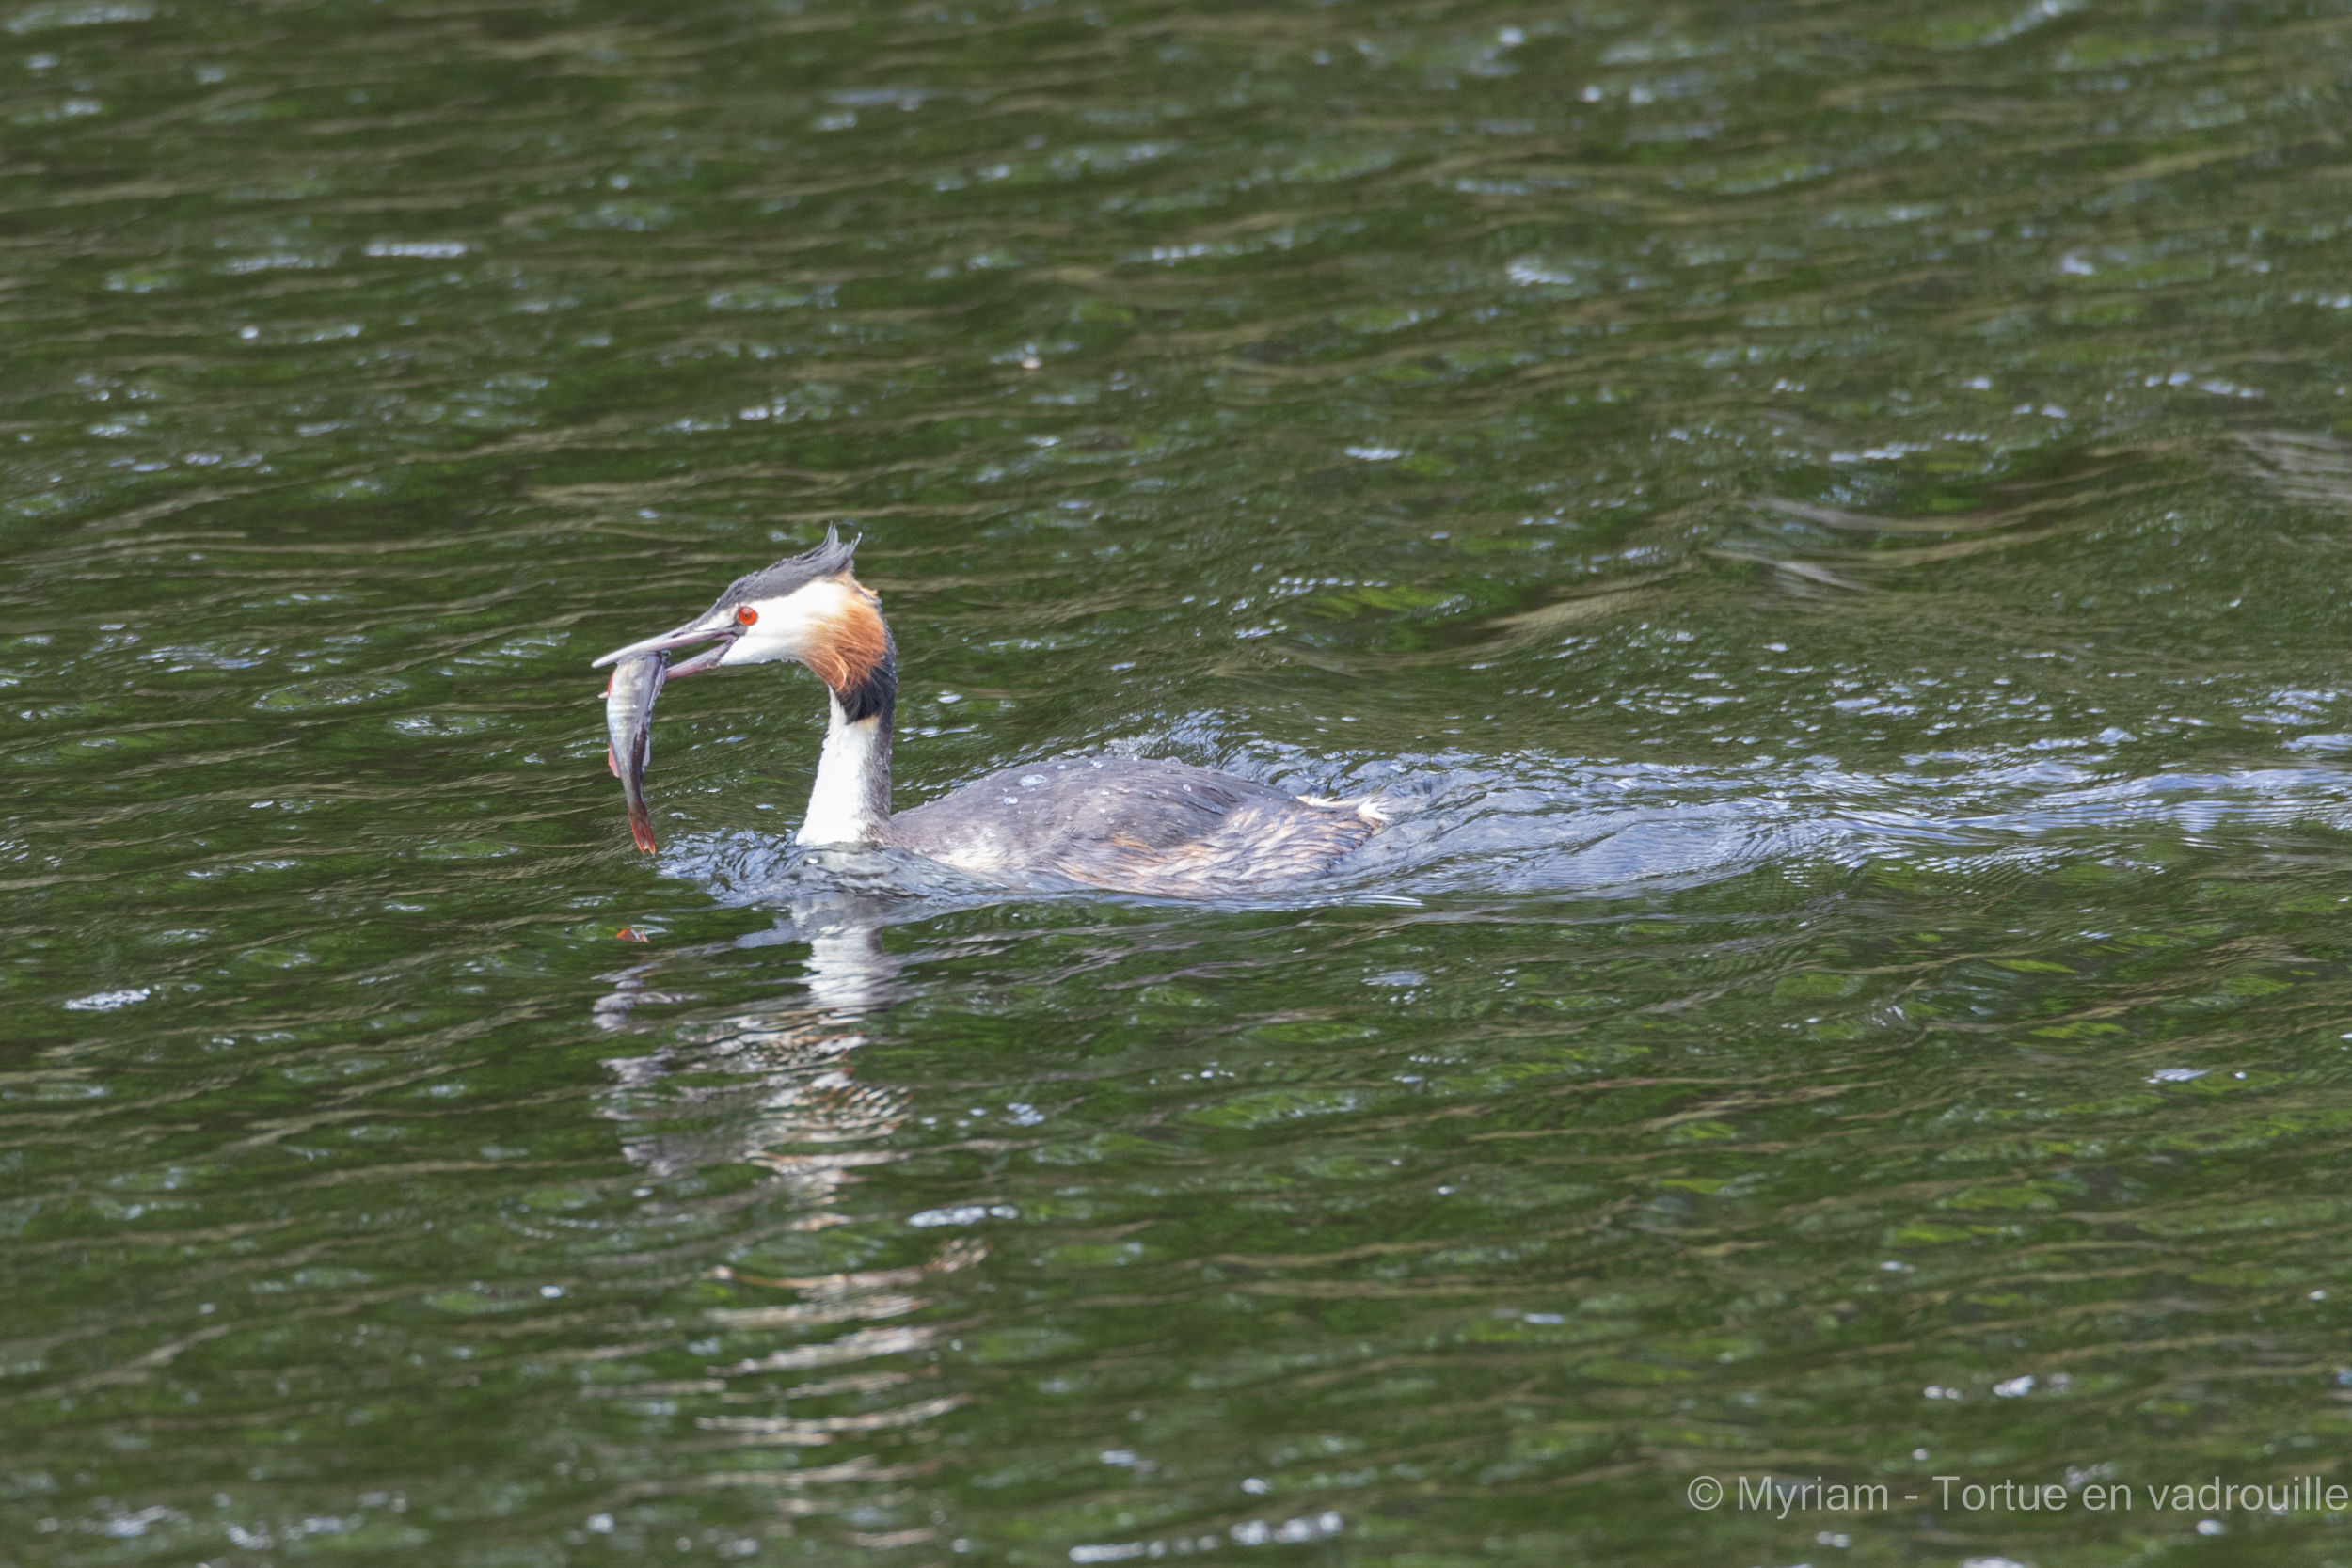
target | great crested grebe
[{"x": 1158, "y": 828}]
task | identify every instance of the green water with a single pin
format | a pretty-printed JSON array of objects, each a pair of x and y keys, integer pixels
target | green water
[{"x": 1824, "y": 519}]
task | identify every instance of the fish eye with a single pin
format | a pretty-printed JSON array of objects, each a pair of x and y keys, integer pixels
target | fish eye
[{"x": 746, "y": 614}]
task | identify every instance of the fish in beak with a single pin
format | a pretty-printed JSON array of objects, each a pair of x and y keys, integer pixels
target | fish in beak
[
  {"x": 640, "y": 672},
  {"x": 629, "y": 699}
]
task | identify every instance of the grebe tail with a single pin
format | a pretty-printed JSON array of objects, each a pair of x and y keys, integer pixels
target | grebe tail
[{"x": 1158, "y": 828}]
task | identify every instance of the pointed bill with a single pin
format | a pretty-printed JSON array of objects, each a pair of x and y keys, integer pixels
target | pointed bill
[{"x": 717, "y": 626}]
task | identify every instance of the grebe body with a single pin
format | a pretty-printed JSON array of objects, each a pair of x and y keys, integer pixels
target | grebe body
[{"x": 1131, "y": 825}]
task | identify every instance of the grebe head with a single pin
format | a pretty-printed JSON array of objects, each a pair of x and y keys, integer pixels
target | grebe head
[{"x": 807, "y": 608}]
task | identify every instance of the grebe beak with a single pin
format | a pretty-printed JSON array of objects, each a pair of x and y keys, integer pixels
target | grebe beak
[{"x": 718, "y": 627}]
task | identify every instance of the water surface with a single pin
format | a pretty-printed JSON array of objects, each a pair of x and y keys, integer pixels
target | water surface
[{"x": 1824, "y": 519}]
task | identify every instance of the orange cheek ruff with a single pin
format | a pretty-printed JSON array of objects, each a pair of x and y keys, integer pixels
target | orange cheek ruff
[{"x": 848, "y": 646}]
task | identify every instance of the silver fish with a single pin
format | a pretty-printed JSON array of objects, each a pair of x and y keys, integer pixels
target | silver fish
[{"x": 628, "y": 700}]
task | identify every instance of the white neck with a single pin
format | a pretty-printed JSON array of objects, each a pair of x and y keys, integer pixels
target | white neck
[{"x": 852, "y": 800}]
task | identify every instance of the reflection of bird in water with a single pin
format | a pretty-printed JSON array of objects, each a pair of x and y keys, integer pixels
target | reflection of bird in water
[
  {"x": 794, "y": 1358},
  {"x": 748, "y": 1086},
  {"x": 1162, "y": 828}
]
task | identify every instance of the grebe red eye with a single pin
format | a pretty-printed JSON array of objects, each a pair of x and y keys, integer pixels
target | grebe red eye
[{"x": 746, "y": 614}]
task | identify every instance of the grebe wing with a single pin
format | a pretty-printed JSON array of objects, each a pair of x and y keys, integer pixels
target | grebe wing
[
  {"x": 1120, "y": 822},
  {"x": 1024, "y": 811}
]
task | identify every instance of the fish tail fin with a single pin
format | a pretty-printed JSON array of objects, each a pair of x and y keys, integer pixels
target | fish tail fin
[{"x": 641, "y": 828}]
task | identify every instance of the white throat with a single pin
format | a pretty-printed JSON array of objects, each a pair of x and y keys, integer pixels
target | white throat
[{"x": 852, "y": 800}]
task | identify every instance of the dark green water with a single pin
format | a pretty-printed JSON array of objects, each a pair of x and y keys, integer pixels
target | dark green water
[{"x": 1826, "y": 518}]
